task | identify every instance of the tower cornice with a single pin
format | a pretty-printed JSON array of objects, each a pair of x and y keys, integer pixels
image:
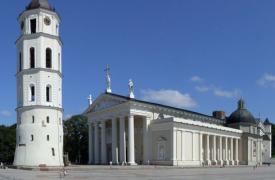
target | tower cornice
[
  {"x": 37, "y": 35},
  {"x": 39, "y": 106},
  {"x": 36, "y": 70},
  {"x": 36, "y": 11}
]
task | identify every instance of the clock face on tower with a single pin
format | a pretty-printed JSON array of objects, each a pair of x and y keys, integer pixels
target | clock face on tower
[{"x": 47, "y": 21}]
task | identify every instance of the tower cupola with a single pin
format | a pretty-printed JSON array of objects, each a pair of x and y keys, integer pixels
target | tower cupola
[{"x": 36, "y": 4}]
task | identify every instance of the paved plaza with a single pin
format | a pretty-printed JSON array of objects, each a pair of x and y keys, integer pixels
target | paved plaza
[{"x": 146, "y": 173}]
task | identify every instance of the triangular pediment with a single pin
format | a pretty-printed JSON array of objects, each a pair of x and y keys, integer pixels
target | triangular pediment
[{"x": 105, "y": 101}]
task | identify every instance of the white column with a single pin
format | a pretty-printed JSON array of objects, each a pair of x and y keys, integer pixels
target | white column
[
  {"x": 226, "y": 151},
  {"x": 232, "y": 151},
  {"x": 96, "y": 144},
  {"x": 90, "y": 143},
  {"x": 201, "y": 148},
  {"x": 237, "y": 151},
  {"x": 145, "y": 140},
  {"x": 114, "y": 142},
  {"x": 131, "y": 140},
  {"x": 122, "y": 143},
  {"x": 215, "y": 150},
  {"x": 103, "y": 143},
  {"x": 221, "y": 154},
  {"x": 207, "y": 150}
]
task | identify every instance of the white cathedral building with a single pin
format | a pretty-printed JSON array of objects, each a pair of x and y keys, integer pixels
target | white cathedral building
[
  {"x": 125, "y": 130},
  {"x": 39, "y": 132}
]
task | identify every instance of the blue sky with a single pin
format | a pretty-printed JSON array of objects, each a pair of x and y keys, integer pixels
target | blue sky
[{"x": 195, "y": 54}]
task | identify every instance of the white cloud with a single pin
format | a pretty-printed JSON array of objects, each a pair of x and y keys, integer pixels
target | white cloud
[
  {"x": 202, "y": 88},
  {"x": 5, "y": 113},
  {"x": 218, "y": 91},
  {"x": 227, "y": 94},
  {"x": 196, "y": 79},
  {"x": 267, "y": 80},
  {"x": 169, "y": 97}
]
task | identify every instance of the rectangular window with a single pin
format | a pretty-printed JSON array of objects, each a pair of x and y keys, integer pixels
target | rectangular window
[
  {"x": 59, "y": 62},
  {"x": 33, "y": 119},
  {"x": 32, "y": 93},
  {"x": 53, "y": 153},
  {"x": 32, "y": 138},
  {"x": 20, "y": 62},
  {"x": 33, "y": 26},
  {"x": 48, "y": 94},
  {"x": 48, "y": 58},
  {"x": 32, "y": 57}
]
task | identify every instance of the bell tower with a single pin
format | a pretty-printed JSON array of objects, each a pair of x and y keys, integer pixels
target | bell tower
[{"x": 39, "y": 133}]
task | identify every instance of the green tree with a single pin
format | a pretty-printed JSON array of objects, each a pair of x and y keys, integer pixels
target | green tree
[
  {"x": 7, "y": 143},
  {"x": 76, "y": 139},
  {"x": 273, "y": 140}
]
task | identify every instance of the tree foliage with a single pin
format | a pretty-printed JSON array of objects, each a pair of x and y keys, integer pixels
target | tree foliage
[
  {"x": 76, "y": 139},
  {"x": 7, "y": 143},
  {"x": 273, "y": 140}
]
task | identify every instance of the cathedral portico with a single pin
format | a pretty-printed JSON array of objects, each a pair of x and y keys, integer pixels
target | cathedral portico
[{"x": 122, "y": 130}]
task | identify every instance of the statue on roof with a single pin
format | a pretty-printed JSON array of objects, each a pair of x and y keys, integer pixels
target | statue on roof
[
  {"x": 108, "y": 80},
  {"x": 131, "y": 89}
]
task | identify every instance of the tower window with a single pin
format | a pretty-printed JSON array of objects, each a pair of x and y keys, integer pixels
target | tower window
[
  {"x": 32, "y": 57},
  {"x": 33, "y": 119},
  {"x": 22, "y": 25},
  {"x": 53, "y": 153},
  {"x": 32, "y": 93},
  {"x": 59, "y": 62},
  {"x": 48, "y": 119},
  {"x": 32, "y": 138},
  {"x": 48, "y": 58},
  {"x": 48, "y": 137},
  {"x": 57, "y": 29},
  {"x": 48, "y": 93},
  {"x": 20, "y": 61},
  {"x": 33, "y": 26}
]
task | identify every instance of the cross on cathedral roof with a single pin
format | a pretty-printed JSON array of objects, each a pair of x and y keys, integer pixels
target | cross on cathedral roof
[{"x": 43, "y": 4}]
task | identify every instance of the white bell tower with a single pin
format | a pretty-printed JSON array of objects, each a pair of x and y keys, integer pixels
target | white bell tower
[{"x": 39, "y": 134}]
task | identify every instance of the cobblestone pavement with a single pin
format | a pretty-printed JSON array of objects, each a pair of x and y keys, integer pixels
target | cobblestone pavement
[{"x": 145, "y": 173}]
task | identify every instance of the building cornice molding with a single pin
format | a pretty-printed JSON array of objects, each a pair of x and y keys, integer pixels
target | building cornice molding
[
  {"x": 178, "y": 113},
  {"x": 201, "y": 124}
]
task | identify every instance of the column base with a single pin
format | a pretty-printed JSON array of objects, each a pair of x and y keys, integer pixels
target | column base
[
  {"x": 214, "y": 162},
  {"x": 232, "y": 163},
  {"x": 208, "y": 162},
  {"x": 226, "y": 162},
  {"x": 220, "y": 162},
  {"x": 115, "y": 163},
  {"x": 237, "y": 163},
  {"x": 132, "y": 164}
]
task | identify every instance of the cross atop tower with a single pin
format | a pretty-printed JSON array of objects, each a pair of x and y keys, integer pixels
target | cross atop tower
[{"x": 90, "y": 99}]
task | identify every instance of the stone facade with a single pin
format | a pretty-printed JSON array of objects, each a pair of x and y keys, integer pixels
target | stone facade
[{"x": 123, "y": 130}]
